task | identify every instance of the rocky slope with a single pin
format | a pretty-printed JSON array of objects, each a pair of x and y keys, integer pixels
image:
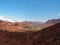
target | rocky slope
[
  {"x": 13, "y": 27},
  {"x": 47, "y": 36}
]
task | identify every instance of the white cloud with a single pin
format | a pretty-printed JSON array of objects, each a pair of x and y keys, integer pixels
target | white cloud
[
  {"x": 11, "y": 20},
  {"x": 5, "y": 19},
  {"x": 1, "y": 18}
]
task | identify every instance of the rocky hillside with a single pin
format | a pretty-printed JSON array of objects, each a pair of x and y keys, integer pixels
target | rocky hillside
[
  {"x": 47, "y": 36},
  {"x": 22, "y": 26},
  {"x": 13, "y": 27},
  {"x": 26, "y": 25}
]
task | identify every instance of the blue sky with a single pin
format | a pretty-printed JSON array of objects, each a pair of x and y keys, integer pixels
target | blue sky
[{"x": 31, "y": 10}]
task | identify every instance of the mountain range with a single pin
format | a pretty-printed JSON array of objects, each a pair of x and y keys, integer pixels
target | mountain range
[
  {"x": 54, "y": 21},
  {"x": 26, "y": 25},
  {"x": 47, "y": 36}
]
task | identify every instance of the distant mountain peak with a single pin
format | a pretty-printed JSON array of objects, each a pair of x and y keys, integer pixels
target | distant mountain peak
[{"x": 54, "y": 21}]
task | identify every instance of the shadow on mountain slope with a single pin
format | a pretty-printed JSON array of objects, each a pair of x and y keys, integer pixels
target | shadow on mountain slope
[{"x": 47, "y": 36}]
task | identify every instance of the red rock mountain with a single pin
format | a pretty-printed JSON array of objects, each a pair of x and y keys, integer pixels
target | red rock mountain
[
  {"x": 20, "y": 26},
  {"x": 15, "y": 26},
  {"x": 47, "y": 36},
  {"x": 26, "y": 25}
]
